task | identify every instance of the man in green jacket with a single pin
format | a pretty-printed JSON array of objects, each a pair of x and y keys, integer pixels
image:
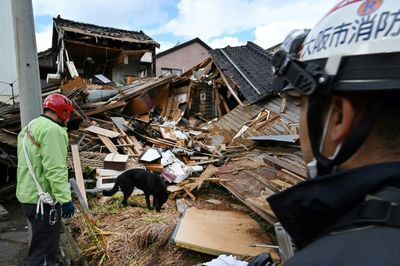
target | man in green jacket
[{"x": 42, "y": 178}]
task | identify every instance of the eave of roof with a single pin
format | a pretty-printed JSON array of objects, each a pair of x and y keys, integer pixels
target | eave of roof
[{"x": 103, "y": 32}]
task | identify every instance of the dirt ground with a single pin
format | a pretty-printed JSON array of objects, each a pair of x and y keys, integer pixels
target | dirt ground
[{"x": 137, "y": 236}]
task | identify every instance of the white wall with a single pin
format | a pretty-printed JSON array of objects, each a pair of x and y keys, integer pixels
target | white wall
[{"x": 8, "y": 68}]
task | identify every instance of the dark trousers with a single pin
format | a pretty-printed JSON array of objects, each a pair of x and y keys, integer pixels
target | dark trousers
[{"x": 45, "y": 239}]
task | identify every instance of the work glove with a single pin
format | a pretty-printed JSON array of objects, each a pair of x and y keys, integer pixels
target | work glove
[{"x": 67, "y": 210}]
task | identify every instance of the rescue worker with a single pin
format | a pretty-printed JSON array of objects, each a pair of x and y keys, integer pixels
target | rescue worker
[
  {"x": 347, "y": 70},
  {"x": 42, "y": 178}
]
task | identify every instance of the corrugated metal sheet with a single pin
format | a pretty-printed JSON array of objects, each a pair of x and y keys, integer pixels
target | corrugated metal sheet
[{"x": 286, "y": 123}]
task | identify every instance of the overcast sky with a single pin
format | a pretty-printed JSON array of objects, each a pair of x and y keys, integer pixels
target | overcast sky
[{"x": 217, "y": 22}]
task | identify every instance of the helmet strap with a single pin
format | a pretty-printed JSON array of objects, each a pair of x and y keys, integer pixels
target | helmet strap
[{"x": 321, "y": 164}]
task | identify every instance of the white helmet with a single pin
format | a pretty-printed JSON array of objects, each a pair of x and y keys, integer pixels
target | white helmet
[{"x": 355, "y": 47}]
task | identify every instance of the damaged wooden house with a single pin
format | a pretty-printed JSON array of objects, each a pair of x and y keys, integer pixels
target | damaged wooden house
[
  {"x": 99, "y": 54},
  {"x": 218, "y": 122}
]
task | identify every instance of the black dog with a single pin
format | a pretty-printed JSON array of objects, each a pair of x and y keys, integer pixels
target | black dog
[{"x": 150, "y": 183}]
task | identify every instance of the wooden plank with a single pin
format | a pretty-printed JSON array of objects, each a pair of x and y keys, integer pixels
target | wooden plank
[
  {"x": 260, "y": 178},
  {"x": 233, "y": 124},
  {"x": 263, "y": 115},
  {"x": 78, "y": 171},
  {"x": 224, "y": 104},
  {"x": 243, "y": 113},
  {"x": 167, "y": 108},
  {"x": 136, "y": 144},
  {"x": 217, "y": 102},
  {"x": 100, "y": 172},
  {"x": 209, "y": 172},
  {"x": 174, "y": 188},
  {"x": 124, "y": 138},
  {"x": 229, "y": 87},
  {"x": 283, "y": 105},
  {"x": 221, "y": 232},
  {"x": 188, "y": 191},
  {"x": 296, "y": 177},
  {"x": 120, "y": 122},
  {"x": 126, "y": 147},
  {"x": 80, "y": 113},
  {"x": 108, "y": 143},
  {"x": 102, "y": 131},
  {"x": 107, "y": 107},
  {"x": 300, "y": 172},
  {"x": 199, "y": 158}
]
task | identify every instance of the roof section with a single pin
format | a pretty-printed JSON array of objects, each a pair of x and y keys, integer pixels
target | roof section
[
  {"x": 45, "y": 53},
  {"x": 103, "y": 32},
  {"x": 177, "y": 47},
  {"x": 248, "y": 67}
]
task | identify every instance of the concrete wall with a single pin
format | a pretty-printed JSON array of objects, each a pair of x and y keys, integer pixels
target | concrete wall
[
  {"x": 183, "y": 58},
  {"x": 8, "y": 63}
]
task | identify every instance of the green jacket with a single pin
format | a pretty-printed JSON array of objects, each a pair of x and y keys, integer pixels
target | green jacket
[{"x": 48, "y": 161}]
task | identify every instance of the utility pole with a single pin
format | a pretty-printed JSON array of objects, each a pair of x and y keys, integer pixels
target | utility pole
[{"x": 30, "y": 100}]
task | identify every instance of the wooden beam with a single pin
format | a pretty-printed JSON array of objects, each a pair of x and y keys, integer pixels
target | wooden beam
[
  {"x": 102, "y": 131},
  {"x": 108, "y": 143},
  {"x": 79, "y": 111},
  {"x": 78, "y": 171},
  {"x": 217, "y": 102},
  {"x": 124, "y": 138},
  {"x": 136, "y": 144},
  {"x": 229, "y": 87},
  {"x": 226, "y": 107},
  {"x": 107, "y": 107}
]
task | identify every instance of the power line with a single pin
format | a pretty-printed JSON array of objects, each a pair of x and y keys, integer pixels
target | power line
[{"x": 8, "y": 83}]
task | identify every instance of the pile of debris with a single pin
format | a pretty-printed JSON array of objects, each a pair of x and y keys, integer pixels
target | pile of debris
[{"x": 202, "y": 126}]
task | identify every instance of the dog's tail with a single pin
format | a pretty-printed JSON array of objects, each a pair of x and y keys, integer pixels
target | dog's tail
[{"x": 113, "y": 190}]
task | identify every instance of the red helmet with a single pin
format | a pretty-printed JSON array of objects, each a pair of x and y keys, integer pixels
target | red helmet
[{"x": 60, "y": 104}]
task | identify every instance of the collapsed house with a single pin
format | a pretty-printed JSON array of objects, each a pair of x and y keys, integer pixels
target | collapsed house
[
  {"x": 87, "y": 50},
  {"x": 217, "y": 122}
]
